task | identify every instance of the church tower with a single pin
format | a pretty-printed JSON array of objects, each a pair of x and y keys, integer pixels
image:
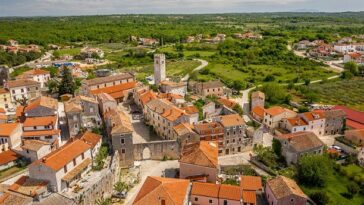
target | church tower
[{"x": 159, "y": 68}]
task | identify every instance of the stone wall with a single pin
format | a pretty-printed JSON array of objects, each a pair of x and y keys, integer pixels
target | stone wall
[{"x": 157, "y": 150}]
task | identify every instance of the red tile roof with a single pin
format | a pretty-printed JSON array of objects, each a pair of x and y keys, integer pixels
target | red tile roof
[
  {"x": 202, "y": 153},
  {"x": 7, "y": 129},
  {"x": 91, "y": 138},
  {"x": 283, "y": 187},
  {"x": 230, "y": 192},
  {"x": 253, "y": 183},
  {"x": 205, "y": 189},
  {"x": 355, "y": 116},
  {"x": 40, "y": 121},
  {"x": 231, "y": 120},
  {"x": 228, "y": 103},
  {"x": 259, "y": 111},
  {"x": 249, "y": 197},
  {"x": 116, "y": 91},
  {"x": 8, "y": 156},
  {"x": 40, "y": 133}
]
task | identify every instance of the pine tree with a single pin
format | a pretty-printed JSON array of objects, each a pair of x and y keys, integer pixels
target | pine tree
[{"x": 68, "y": 85}]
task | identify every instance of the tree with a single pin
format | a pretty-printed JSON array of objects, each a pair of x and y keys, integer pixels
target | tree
[
  {"x": 121, "y": 186},
  {"x": 68, "y": 85},
  {"x": 277, "y": 147},
  {"x": 52, "y": 86},
  {"x": 352, "y": 67},
  {"x": 307, "y": 81},
  {"x": 274, "y": 93},
  {"x": 237, "y": 108},
  {"x": 320, "y": 197},
  {"x": 312, "y": 170},
  {"x": 346, "y": 75}
]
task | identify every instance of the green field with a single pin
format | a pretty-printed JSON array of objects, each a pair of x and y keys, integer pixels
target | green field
[
  {"x": 71, "y": 51},
  {"x": 188, "y": 53},
  {"x": 336, "y": 184},
  {"x": 343, "y": 92}
]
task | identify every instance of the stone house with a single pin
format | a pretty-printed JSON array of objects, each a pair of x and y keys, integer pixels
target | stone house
[
  {"x": 39, "y": 107},
  {"x": 295, "y": 124},
  {"x": 120, "y": 92},
  {"x": 315, "y": 121},
  {"x": 215, "y": 88},
  {"x": 193, "y": 112},
  {"x": 355, "y": 136},
  {"x": 38, "y": 75},
  {"x": 82, "y": 112},
  {"x": 104, "y": 82},
  {"x": 211, "y": 131},
  {"x": 94, "y": 140},
  {"x": 282, "y": 191},
  {"x": 120, "y": 131},
  {"x": 163, "y": 191},
  {"x": 35, "y": 149},
  {"x": 199, "y": 162},
  {"x": 334, "y": 121},
  {"x": 184, "y": 134},
  {"x": 106, "y": 103},
  {"x": 10, "y": 136},
  {"x": 173, "y": 87},
  {"x": 258, "y": 113},
  {"x": 64, "y": 167},
  {"x": 257, "y": 100},
  {"x": 273, "y": 115},
  {"x": 23, "y": 88},
  {"x": 297, "y": 144},
  {"x": 8, "y": 159},
  {"x": 5, "y": 99},
  {"x": 90, "y": 52},
  {"x": 235, "y": 138}
]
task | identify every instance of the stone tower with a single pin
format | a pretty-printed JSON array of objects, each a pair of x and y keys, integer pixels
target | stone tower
[
  {"x": 258, "y": 99},
  {"x": 159, "y": 68}
]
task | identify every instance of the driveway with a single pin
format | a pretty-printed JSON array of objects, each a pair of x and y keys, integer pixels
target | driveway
[{"x": 203, "y": 64}]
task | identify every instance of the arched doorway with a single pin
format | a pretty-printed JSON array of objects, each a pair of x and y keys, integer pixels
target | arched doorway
[{"x": 146, "y": 153}]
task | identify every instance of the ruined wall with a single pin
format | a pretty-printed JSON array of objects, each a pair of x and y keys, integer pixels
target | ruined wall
[{"x": 157, "y": 149}]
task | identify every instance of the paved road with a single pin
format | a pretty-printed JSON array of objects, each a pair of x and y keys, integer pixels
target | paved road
[
  {"x": 47, "y": 55},
  {"x": 203, "y": 64}
]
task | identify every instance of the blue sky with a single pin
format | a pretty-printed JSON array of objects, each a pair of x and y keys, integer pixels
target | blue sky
[{"x": 97, "y": 7}]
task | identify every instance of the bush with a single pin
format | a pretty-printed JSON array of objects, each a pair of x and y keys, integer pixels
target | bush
[
  {"x": 312, "y": 170},
  {"x": 353, "y": 188},
  {"x": 320, "y": 197}
]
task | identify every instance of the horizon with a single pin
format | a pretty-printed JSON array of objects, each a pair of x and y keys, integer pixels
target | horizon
[{"x": 55, "y": 8}]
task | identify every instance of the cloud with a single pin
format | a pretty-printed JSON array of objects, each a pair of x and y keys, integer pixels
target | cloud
[{"x": 88, "y": 7}]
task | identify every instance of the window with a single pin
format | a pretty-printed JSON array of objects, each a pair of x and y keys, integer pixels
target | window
[
  {"x": 292, "y": 199},
  {"x": 196, "y": 199},
  {"x": 13, "y": 91},
  {"x": 210, "y": 201},
  {"x": 83, "y": 156},
  {"x": 22, "y": 90},
  {"x": 35, "y": 127},
  {"x": 48, "y": 137},
  {"x": 74, "y": 162},
  {"x": 65, "y": 169},
  {"x": 122, "y": 151},
  {"x": 28, "y": 89},
  {"x": 163, "y": 202},
  {"x": 91, "y": 109},
  {"x": 122, "y": 141},
  {"x": 225, "y": 202}
]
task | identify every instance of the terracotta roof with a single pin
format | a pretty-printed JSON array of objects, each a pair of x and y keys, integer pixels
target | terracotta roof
[
  {"x": 205, "y": 189},
  {"x": 3, "y": 117},
  {"x": 39, "y": 121},
  {"x": 228, "y": 103},
  {"x": 104, "y": 97},
  {"x": 258, "y": 111},
  {"x": 65, "y": 154},
  {"x": 202, "y": 153},
  {"x": 182, "y": 129},
  {"x": 21, "y": 83},
  {"x": 33, "y": 145},
  {"x": 2, "y": 110},
  {"x": 249, "y": 197},
  {"x": 283, "y": 187},
  {"x": 147, "y": 96},
  {"x": 203, "y": 127},
  {"x": 297, "y": 121},
  {"x": 7, "y": 129},
  {"x": 108, "y": 79},
  {"x": 314, "y": 115},
  {"x": 173, "y": 191},
  {"x": 170, "y": 96},
  {"x": 120, "y": 120},
  {"x": 276, "y": 110},
  {"x": 355, "y": 55},
  {"x": 9, "y": 198},
  {"x": 354, "y": 125},
  {"x": 8, "y": 156},
  {"x": 353, "y": 115},
  {"x": 332, "y": 113},
  {"x": 40, "y": 133},
  {"x": 27, "y": 186},
  {"x": 211, "y": 84},
  {"x": 75, "y": 104},
  {"x": 230, "y": 192},
  {"x": 116, "y": 91},
  {"x": 253, "y": 183},
  {"x": 302, "y": 141},
  {"x": 190, "y": 109},
  {"x": 32, "y": 72},
  {"x": 173, "y": 113},
  {"x": 91, "y": 138},
  {"x": 357, "y": 134},
  {"x": 42, "y": 101},
  {"x": 231, "y": 120}
]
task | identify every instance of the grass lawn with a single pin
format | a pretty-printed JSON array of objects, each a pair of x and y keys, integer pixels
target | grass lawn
[
  {"x": 342, "y": 92},
  {"x": 336, "y": 185},
  {"x": 7, "y": 172},
  {"x": 71, "y": 51},
  {"x": 354, "y": 171}
]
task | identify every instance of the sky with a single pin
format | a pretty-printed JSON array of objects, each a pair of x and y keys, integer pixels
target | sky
[{"x": 99, "y": 7}]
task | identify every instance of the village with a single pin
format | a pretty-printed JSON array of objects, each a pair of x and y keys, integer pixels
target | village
[{"x": 164, "y": 141}]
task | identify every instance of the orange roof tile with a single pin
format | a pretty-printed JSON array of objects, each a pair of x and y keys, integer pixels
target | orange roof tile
[
  {"x": 259, "y": 111},
  {"x": 39, "y": 121},
  {"x": 8, "y": 156},
  {"x": 34, "y": 145},
  {"x": 115, "y": 91},
  {"x": 7, "y": 129},
  {"x": 65, "y": 154},
  {"x": 202, "y": 153},
  {"x": 276, "y": 110},
  {"x": 148, "y": 96},
  {"x": 182, "y": 128},
  {"x": 3, "y": 91},
  {"x": 173, "y": 113},
  {"x": 228, "y": 103},
  {"x": 40, "y": 133},
  {"x": 91, "y": 138},
  {"x": 22, "y": 82},
  {"x": 43, "y": 101},
  {"x": 230, "y": 192},
  {"x": 205, "y": 189},
  {"x": 283, "y": 187},
  {"x": 190, "y": 109},
  {"x": 253, "y": 183},
  {"x": 231, "y": 120},
  {"x": 27, "y": 186},
  {"x": 101, "y": 80},
  {"x": 302, "y": 141},
  {"x": 2, "y": 110},
  {"x": 249, "y": 197},
  {"x": 296, "y": 121},
  {"x": 173, "y": 191},
  {"x": 314, "y": 115}
]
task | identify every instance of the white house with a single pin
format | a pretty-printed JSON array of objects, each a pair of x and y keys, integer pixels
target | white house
[
  {"x": 23, "y": 88},
  {"x": 38, "y": 75}
]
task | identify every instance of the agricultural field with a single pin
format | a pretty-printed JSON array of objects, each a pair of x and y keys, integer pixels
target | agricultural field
[
  {"x": 70, "y": 51},
  {"x": 344, "y": 92}
]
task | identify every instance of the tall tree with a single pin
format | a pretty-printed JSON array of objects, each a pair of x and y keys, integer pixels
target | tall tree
[{"x": 68, "y": 85}]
